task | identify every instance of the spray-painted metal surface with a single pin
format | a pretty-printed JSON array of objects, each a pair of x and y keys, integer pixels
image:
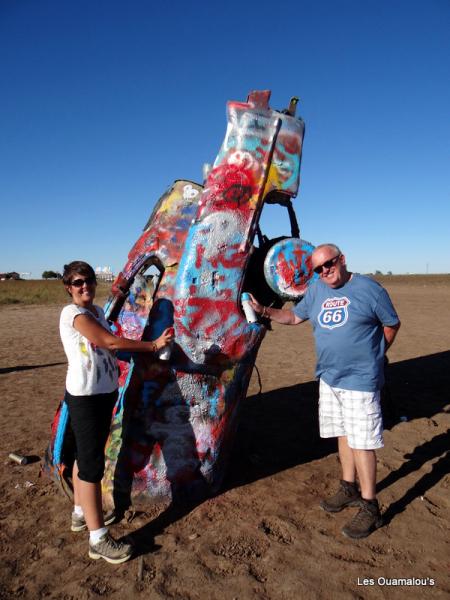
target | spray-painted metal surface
[
  {"x": 288, "y": 268},
  {"x": 175, "y": 419}
]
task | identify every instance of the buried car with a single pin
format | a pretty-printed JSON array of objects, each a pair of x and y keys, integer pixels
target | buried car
[{"x": 202, "y": 247}]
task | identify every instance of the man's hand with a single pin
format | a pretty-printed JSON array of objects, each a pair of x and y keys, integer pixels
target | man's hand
[
  {"x": 280, "y": 315},
  {"x": 257, "y": 307}
]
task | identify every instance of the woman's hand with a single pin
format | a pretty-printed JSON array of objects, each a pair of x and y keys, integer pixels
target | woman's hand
[
  {"x": 98, "y": 335},
  {"x": 165, "y": 338}
]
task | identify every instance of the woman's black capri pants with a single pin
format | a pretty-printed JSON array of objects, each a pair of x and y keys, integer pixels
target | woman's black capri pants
[{"x": 90, "y": 419}]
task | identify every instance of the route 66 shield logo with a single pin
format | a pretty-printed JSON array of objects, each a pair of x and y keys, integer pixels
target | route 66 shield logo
[{"x": 334, "y": 313}]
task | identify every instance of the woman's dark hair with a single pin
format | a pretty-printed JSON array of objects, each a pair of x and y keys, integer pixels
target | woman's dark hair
[{"x": 77, "y": 267}]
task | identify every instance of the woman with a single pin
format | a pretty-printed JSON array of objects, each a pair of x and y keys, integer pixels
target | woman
[{"x": 91, "y": 393}]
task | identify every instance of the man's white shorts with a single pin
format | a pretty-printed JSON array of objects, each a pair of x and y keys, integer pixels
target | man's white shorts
[{"x": 355, "y": 415}]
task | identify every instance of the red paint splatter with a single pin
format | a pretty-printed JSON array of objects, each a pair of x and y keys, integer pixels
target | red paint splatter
[
  {"x": 230, "y": 186},
  {"x": 291, "y": 143},
  {"x": 200, "y": 252}
]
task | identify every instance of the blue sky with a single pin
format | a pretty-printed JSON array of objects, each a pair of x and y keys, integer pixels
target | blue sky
[{"x": 103, "y": 104}]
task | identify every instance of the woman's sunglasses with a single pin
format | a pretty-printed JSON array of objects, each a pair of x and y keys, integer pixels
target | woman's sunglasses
[
  {"x": 80, "y": 282},
  {"x": 327, "y": 264}
]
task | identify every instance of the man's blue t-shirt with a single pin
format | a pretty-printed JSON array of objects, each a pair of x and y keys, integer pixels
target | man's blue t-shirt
[{"x": 348, "y": 329}]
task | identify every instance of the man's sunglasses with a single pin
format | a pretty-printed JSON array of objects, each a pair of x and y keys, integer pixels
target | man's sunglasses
[
  {"x": 80, "y": 282},
  {"x": 327, "y": 264}
]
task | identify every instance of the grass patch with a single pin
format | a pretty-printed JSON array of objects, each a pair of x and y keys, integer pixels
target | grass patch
[
  {"x": 25, "y": 292},
  {"x": 41, "y": 292},
  {"x": 426, "y": 280}
]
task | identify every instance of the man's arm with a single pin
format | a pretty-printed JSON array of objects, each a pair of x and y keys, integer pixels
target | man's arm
[
  {"x": 389, "y": 334},
  {"x": 279, "y": 315}
]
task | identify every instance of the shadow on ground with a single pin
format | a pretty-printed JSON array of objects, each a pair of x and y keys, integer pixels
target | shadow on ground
[
  {"x": 5, "y": 370},
  {"x": 426, "y": 452},
  {"x": 417, "y": 388},
  {"x": 279, "y": 430}
]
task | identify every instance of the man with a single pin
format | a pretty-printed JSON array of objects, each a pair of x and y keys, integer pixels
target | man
[{"x": 354, "y": 323}]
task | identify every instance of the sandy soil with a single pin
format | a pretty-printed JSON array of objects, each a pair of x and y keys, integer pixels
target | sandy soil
[{"x": 264, "y": 535}]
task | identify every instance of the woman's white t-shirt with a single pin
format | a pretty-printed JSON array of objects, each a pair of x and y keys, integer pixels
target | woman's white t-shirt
[{"x": 92, "y": 370}]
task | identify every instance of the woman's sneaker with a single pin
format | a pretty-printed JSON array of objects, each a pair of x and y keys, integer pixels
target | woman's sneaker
[
  {"x": 111, "y": 550},
  {"x": 347, "y": 495},
  {"x": 79, "y": 523},
  {"x": 366, "y": 520}
]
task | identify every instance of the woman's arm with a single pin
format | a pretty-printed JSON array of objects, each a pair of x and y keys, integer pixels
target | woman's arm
[{"x": 98, "y": 335}]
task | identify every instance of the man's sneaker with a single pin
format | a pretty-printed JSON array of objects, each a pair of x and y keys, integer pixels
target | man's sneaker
[
  {"x": 347, "y": 495},
  {"x": 111, "y": 550},
  {"x": 79, "y": 523},
  {"x": 366, "y": 520}
]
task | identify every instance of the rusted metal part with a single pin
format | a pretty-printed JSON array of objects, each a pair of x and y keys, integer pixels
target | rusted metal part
[{"x": 175, "y": 420}]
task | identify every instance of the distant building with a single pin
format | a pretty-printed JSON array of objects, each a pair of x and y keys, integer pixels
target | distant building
[
  {"x": 12, "y": 275},
  {"x": 104, "y": 274}
]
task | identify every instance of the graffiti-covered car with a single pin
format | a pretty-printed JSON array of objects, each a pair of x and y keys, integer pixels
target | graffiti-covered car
[{"x": 202, "y": 247}]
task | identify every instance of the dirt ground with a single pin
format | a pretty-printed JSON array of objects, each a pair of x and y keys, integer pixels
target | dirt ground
[{"x": 264, "y": 536}]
